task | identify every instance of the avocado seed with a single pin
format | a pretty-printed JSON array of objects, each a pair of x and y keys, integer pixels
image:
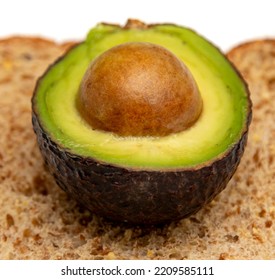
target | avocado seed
[{"x": 139, "y": 89}]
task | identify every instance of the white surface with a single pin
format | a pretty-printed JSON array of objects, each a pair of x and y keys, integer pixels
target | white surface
[
  {"x": 225, "y": 23},
  {"x": 138, "y": 270}
]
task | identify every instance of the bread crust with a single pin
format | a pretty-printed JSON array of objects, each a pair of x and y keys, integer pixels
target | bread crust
[
  {"x": 249, "y": 45},
  {"x": 34, "y": 41}
]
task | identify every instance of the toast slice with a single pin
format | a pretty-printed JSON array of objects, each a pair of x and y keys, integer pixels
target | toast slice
[{"x": 39, "y": 221}]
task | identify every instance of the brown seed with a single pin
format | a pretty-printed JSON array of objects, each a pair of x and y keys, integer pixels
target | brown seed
[
  {"x": 10, "y": 220},
  {"x": 139, "y": 89}
]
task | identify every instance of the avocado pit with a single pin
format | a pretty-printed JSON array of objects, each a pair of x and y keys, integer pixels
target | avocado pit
[
  {"x": 139, "y": 89},
  {"x": 142, "y": 180}
]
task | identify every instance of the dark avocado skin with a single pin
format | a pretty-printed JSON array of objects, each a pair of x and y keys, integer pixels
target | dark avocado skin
[
  {"x": 138, "y": 197},
  {"x": 134, "y": 196}
]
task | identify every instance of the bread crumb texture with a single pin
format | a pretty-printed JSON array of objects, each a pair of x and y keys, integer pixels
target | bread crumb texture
[{"x": 39, "y": 221}]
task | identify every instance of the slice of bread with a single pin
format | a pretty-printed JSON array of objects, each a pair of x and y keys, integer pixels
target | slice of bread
[{"x": 39, "y": 221}]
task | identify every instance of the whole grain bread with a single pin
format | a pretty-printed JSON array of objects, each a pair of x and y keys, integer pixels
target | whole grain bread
[{"x": 39, "y": 221}]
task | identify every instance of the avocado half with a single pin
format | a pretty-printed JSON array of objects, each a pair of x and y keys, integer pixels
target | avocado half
[{"x": 143, "y": 180}]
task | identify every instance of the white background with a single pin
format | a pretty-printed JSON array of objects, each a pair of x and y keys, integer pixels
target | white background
[
  {"x": 225, "y": 270},
  {"x": 225, "y": 23}
]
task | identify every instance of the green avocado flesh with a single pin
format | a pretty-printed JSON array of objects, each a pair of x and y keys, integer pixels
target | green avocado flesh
[{"x": 224, "y": 95}]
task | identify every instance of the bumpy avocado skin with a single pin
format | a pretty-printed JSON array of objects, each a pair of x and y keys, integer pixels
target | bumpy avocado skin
[{"x": 133, "y": 196}]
